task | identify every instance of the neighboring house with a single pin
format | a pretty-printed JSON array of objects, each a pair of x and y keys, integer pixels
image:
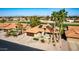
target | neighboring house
[
  {"x": 15, "y": 18},
  {"x": 70, "y": 20},
  {"x": 77, "y": 19},
  {"x": 22, "y": 19},
  {"x": 7, "y": 26}
]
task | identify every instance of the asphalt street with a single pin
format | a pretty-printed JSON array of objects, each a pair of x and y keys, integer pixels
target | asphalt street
[{"x": 9, "y": 46}]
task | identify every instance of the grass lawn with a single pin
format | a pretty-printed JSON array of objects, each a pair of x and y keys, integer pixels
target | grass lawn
[
  {"x": 27, "y": 22},
  {"x": 17, "y": 22},
  {"x": 73, "y": 24}
]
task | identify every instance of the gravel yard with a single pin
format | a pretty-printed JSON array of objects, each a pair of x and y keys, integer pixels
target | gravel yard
[{"x": 28, "y": 41}]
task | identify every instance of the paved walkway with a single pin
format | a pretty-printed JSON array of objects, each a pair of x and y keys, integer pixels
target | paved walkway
[{"x": 74, "y": 44}]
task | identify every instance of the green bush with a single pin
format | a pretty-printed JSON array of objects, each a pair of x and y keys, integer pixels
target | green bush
[
  {"x": 35, "y": 39},
  {"x": 43, "y": 41},
  {"x": 12, "y": 32}
]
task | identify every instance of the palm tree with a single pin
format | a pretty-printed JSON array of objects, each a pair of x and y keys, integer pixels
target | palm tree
[
  {"x": 54, "y": 16},
  {"x": 62, "y": 18},
  {"x": 59, "y": 17}
]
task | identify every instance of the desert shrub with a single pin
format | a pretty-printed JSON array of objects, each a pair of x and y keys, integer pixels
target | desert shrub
[
  {"x": 43, "y": 41},
  {"x": 53, "y": 41},
  {"x": 53, "y": 44},
  {"x": 35, "y": 39},
  {"x": 57, "y": 40}
]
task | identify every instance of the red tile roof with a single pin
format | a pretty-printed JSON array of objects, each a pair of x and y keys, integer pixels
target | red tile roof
[
  {"x": 6, "y": 25},
  {"x": 37, "y": 29},
  {"x": 10, "y": 25},
  {"x": 73, "y": 32}
]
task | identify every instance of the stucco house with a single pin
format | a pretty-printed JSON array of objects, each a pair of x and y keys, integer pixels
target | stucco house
[
  {"x": 70, "y": 20},
  {"x": 43, "y": 30}
]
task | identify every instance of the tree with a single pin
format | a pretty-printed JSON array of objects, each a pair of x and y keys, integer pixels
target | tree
[
  {"x": 54, "y": 16},
  {"x": 34, "y": 21},
  {"x": 59, "y": 17}
]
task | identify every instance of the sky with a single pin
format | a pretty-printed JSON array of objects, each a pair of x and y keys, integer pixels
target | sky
[{"x": 35, "y": 11}]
